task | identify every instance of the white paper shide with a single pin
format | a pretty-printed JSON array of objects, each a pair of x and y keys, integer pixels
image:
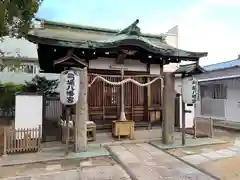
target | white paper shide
[{"x": 69, "y": 87}]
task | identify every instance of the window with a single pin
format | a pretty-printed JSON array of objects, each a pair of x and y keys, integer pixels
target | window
[
  {"x": 219, "y": 91},
  {"x": 27, "y": 68},
  {"x": 213, "y": 91},
  {"x": 213, "y": 99}
]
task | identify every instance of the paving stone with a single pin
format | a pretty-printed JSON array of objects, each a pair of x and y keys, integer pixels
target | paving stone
[
  {"x": 104, "y": 173},
  {"x": 195, "y": 159},
  {"x": 18, "y": 178},
  {"x": 150, "y": 162},
  {"x": 188, "y": 152},
  {"x": 234, "y": 148},
  {"x": 237, "y": 143},
  {"x": 159, "y": 165},
  {"x": 187, "y": 170},
  {"x": 213, "y": 155},
  {"x": 61, "y": 175},
  {"x": 53, "y": 167},
  {"x": 86, "y": 163},
  {"x": 150, "y": 149},
  {"x": 226, "y": 152},
  {"x": 23, "y": 178},
  {"x": 206, "y": 150},
  {"x": 128, "y": 157}
]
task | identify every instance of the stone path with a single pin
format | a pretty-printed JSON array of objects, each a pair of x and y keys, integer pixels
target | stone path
[
  {"x": 212, "y": 155},
  {"x": 145, "y": 162},
  {"x": 100, "y": 168},
  {"x": 221, "y": 161}
]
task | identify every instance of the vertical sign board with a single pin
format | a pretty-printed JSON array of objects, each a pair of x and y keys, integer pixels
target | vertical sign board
[
  {"x": 189, "y": 90},
  {"x": 69, "y": 87}
]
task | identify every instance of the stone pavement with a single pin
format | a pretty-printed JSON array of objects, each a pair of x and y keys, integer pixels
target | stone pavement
[
  {"x": 220, "y": 160},
  {"x": 98, "y": 168},
  {"x": 145, "y": 162},
  {"x": 190, "y": 142},
  {"x": 17, "y": 159}
]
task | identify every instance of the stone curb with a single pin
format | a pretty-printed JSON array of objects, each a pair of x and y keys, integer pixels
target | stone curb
[
  {"x": 54, "y": 159},
  {"x": 195, "y": 167},
  {"x": 187, "y": 146},
  {"x": 129, "y": 142},
  {"x": 34, "y": 175},
  {"x": 120, "y": 162}
]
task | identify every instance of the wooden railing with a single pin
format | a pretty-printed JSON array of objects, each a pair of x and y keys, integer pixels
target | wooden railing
[{"x": 21, "y": 140}]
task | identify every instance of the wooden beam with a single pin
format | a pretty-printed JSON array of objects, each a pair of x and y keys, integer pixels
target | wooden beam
[
  {"x": 70, "y": 55},
  {"x": 82, "y": 114}
]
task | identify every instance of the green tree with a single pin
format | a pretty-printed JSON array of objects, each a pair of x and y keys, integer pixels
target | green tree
[
  {"x": 7, "y": 98},
  {"x": 16, "y": 17},
  {"x": 41, "y": 85}
]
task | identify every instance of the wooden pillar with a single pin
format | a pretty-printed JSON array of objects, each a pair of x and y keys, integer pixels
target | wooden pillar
[
  {"x": 169, "y": 108},
  {"x": 161, "y": 96},
  {"x": 161, "y": 69},
  {"x": 82, "y": 114},
  {"x": 147, "y": 99}
]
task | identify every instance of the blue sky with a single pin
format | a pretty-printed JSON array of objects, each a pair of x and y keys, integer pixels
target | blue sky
[{"x": 204, "y": 25}]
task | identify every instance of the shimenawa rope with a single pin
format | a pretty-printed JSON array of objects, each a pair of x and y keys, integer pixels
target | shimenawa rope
[{"x": 126, "y": 81}]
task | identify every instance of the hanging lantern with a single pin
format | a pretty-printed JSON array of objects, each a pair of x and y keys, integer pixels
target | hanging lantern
[
  {"x": 189, "y": 90},
  {"x": 69, "y": 87}
]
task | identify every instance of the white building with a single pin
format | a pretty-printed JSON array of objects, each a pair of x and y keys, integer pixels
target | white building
[{"x": 219, "y": 92}]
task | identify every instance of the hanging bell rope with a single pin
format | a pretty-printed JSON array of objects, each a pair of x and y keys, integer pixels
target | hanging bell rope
[{"x": 126, "y": 81}]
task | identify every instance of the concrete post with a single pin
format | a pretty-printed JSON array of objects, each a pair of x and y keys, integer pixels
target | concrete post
[{"x": 169, "y": 108}]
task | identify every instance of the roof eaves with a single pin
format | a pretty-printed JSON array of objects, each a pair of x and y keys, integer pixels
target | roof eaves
[
  {"x": 188, "y": 68},
  {"x": 223, "y": 68},
  {"x": 224, "y": 62}
]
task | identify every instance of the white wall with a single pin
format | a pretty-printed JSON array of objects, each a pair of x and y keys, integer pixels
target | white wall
[
  {"x": 28, "y": 111},
  {"x": 232, "y": 103}
]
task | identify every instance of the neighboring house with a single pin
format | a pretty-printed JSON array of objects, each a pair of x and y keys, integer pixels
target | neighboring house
[
  {"x": 219, "y": 91},
  {"x": 20, "y": 69}
]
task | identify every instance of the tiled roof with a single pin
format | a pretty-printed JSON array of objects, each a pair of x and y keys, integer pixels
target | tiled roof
[
  {"x": 223, "y": 65},
  {"x": 58, "y": 34},
  {"x": 188, "y": 68}
]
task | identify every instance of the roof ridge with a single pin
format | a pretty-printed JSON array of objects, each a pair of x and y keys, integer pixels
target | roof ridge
[{"x": 93, "y": 28}]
